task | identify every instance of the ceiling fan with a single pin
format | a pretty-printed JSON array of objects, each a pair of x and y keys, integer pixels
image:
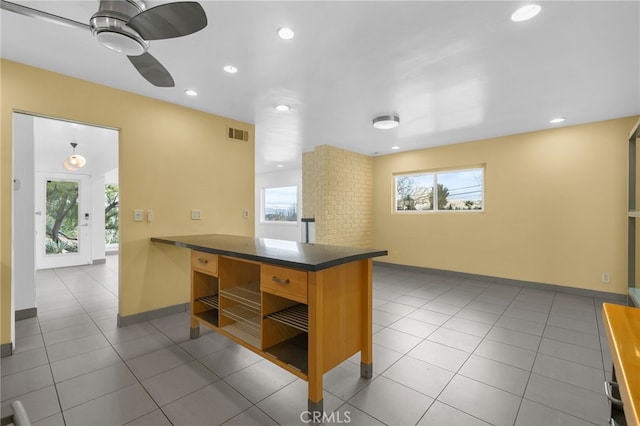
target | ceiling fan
[{"x": 127, "y": 26}]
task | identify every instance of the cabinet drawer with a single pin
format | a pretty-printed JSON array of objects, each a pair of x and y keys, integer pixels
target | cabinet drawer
[
  {"x": 285, "y": 282},
  {"x": 204, "y": 262}
]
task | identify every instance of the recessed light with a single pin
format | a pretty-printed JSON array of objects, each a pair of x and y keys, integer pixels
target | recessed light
[
  {"x": 230, "y": 69},
  {"x": 282, "y": 107},
  {"x": 395, "y": 147},
  {"x": 280, "y": 166},
  {"x": 286, "y": 33},
  {"x": 385, "y": 122},
  {"x": 191, "y": 92},
  {"x": 526, "y": 12},
  {"x": 556, "y": 120}
]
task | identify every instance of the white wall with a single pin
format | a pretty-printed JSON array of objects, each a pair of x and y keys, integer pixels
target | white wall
[
  {"x": 97, "y": 219},
  {"x": 282, "y": 231},
  {"x": 23, "y": 277}
]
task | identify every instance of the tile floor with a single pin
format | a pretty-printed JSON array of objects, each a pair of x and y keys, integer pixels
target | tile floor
[{"x": 447, "y": 351}]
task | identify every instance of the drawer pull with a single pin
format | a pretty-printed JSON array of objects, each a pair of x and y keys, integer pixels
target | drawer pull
[
  {"x": 608, "y": 386},
  {"x": 202, "y": 261},
  {"x": 280, "y": 280}
]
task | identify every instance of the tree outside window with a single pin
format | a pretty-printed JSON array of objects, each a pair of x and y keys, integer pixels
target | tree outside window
[{"x": 111, "y": 224}]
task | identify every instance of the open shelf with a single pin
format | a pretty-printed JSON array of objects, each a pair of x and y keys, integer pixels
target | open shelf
[
  {"x": 293, "y": 352},
  {"x": 211, "y": 301},
  {"x": 247, "y": 294},
  {"x": 296, "y": 316},
  {"x": 210, "y": 317},
  {"x": 245, "y": 317},
  {"x": 239, "y": 330}
]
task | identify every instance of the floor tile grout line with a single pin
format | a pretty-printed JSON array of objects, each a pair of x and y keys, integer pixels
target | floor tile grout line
[
  {"x": 526, "y": 386},
  {"x": 405, "y": 353},
  {"x": 111, "y": 346}
]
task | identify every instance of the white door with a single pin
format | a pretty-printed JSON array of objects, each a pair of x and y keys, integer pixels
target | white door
[{"x": 63, "y": 221}]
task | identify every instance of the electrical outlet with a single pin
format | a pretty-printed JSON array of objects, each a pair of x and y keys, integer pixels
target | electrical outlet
[
  {"x": 196, "y": 214},
  {"x": 137, "y": 215},
  {"x": 606, "y": 278}
]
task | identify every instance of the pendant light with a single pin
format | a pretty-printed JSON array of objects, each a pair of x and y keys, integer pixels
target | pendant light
[{"x": 75, "y": 161}]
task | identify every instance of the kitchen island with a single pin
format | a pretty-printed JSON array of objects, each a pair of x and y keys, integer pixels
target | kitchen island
[{"x": 305, "y": 307}]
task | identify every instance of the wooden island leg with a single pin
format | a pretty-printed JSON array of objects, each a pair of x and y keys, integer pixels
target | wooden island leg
[
  {"x": 366, "y": 353},
  {"x": 194, "y": 331},
  {"x": 315, "y": 349}
]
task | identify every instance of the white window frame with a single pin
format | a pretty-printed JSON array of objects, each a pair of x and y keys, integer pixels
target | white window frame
[{"x": 434, "y": 184}]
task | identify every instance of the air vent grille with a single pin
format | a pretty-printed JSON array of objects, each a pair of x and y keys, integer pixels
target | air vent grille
[{"x": 237, "y": 134}]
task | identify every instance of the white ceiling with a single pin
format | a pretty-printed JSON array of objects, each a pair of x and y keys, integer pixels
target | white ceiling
[
  {"x": 454, "y": 71},
  {"x": 52, "y": 145}
]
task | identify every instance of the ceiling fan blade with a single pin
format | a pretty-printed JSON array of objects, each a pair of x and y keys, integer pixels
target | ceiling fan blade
[
  {"x": 169, "y": 20},
  {"x": 43, "y": 16},
  {"x": 152, "y": 70}
]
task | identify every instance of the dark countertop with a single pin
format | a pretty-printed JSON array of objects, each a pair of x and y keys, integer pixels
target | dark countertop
[{"x": 291, "y": 254}]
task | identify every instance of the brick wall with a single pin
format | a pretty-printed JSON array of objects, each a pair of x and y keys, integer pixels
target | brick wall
[{"x": 337, "y": 190}]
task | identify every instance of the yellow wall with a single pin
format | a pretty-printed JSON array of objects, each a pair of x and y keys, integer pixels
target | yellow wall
[
  {"x": 337, "y": 192},
  {"x": 172, "y": 159},
  {"x": 555, "y": 208}
]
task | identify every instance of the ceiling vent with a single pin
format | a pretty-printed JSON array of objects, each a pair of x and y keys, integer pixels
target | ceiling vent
[{"x": 237, "y": 134}]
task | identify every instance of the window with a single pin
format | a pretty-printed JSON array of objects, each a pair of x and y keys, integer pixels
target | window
[
  {"x": 280, "y": 204},
  {"x": 456, "y": 190}
]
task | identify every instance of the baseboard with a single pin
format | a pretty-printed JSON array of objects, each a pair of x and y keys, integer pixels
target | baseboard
[
  {"x": 613, "y": 297},
  {"x": 6, "y": 349},
  {"x": 23, "y": 314},
  {"x": 153, "y": 314}
]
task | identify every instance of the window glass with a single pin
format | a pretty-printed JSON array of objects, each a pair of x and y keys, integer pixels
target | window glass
[
  {"x": 455, "y": 190},
  {"x": 280, "y": 204}
]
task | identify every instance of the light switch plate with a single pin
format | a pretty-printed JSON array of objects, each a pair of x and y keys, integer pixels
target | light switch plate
[{"x": 137, "y": 215}]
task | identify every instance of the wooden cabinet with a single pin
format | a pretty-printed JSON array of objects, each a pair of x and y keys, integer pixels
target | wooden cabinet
[
  {"x": 622, "y": 325},
  {"x": 304, "y": 307},
  {"x": 307, "y": 322}
]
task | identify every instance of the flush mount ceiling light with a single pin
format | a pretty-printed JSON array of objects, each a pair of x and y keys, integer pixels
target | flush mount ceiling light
[
  {"x": 286, "y": 33},
  {"x": 395, "y": 148},
  {"x": 526, "y": 12},
  {"x": 282, "y": 107},
  {"x": 191, "y": 92},
  {"x": 556, "y": 120},
  {"x": 75, "y": 161},
  {"x": 385, "y": 122},
  {"x": 230, "y": 69}
]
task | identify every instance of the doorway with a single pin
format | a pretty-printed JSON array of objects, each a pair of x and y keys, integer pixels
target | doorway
[{"x": 58, "y": 211}]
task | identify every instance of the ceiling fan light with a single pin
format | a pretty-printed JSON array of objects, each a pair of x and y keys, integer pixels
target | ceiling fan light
[
  {"x": 121, "y": 43},
  {"x": 386, "y": 122},
  {"x": 114, "y": 34}
]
